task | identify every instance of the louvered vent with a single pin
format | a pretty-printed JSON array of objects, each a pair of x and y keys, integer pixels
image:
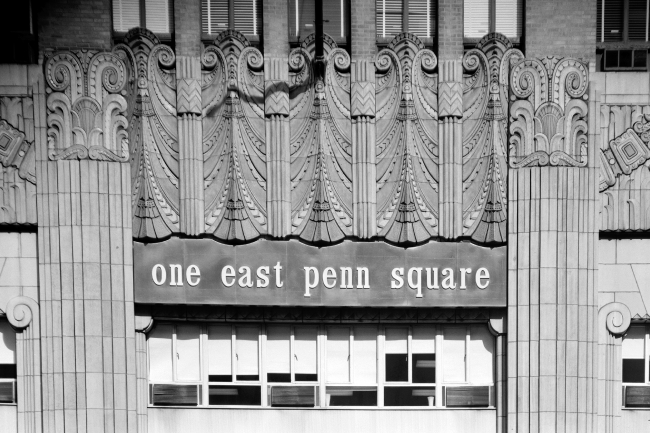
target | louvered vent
[
  {"x": 293, "y": 396},
  {"x": 468, "y": 396},
  {"x": 174, "y": 395}
]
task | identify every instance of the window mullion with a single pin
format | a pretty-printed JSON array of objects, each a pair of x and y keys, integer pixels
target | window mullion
[
  {"x": 492, "y": 16},
  {"x": 143, "y": 24},
  {"x": 647, "y": 355},
  {"x": 233, "y": 354},
  {"x": 439, "y": 354},
  {"x": 231, "y": 14},
  {"x": 381, "y": 367},
  {"x": 292, "y": 350},
  {"x": 262, "y": 365},
  {"x": 626, "y": 18},
  {"x": 467, "y": 336},
  {"x": 174, "y": 353},
  {"x": 409, "y": 356},
  {"x": 405, "y": 15},
  {"x": 322, "y": 391}
]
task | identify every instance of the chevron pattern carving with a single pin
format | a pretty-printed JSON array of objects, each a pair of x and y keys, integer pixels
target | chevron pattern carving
[
  {"x": 362, "y": 99},
  {"x": 450, "y": 99},
  {"x": 188, "y": 96},
  {"x": 276, "y": 98}
]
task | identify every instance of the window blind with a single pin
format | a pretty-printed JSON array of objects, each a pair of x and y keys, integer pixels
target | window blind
[
  {"x": 389, "y": 15},
  {"x": 247, "y": 18},
  {"x": 334, "y": 21},
  {"x": 365, "y": 355},
  {"x": 637, "y": 25},
  {"x": 480, "y": 357},
  {"x": 157, "y": 15},
  {"x": 613, "y": 19},
  {"x": 7, "y": 343},
  {"x": 338, "y": 355},
  {"x": 126, "y": 15},
  {"x": 160, "y": 354},
  {"x": 422, "y": 18},
  {"x": 453, "y": 354},
  {"x": 508, "y": 15},
  {"x": 214, "y": 16},
  {"x": 424, "y": 340},
  {"x": 247, "y": 351},
  {"x": 304, "y": 341},
  {"x": 477, "y": 18},
  {"x": 188, "y": 353},
  {"x": 219, "y": 350},
  {"x": 278, "y": 349},
  {"x": 306, "y": 17}
]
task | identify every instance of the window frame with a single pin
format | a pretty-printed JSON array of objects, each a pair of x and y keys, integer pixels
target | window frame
[
  {"x": 604, "y": 48},
  {"x": 430, "y": 41},
  {"x": 165, "y": 38},
  {"x": 13, "y": 380},
  {"x": 471, "y": 42},
  {"x": 646, "y": 365},
  {"x": 255, "y": 40},
  {"x": 16, "y": 39},
  {"x": 322, "y": 383}
]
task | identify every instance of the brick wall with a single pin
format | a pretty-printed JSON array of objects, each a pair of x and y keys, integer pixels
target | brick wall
[
  {"x": 74, "y": 24},
  {"x": 275, "y": 23},
  {"x": 450, "y": 31},
  {"x": 561, "y": 28},
  {"x": 187, "y": 25},
  {"x": 363, "y": 31}
]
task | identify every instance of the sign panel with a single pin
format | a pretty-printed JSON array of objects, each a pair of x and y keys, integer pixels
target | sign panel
[{"x": 290, "y": 273}]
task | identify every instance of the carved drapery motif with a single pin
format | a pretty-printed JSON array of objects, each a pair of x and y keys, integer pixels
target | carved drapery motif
[
  {"x": 234, "y": 148},
  {"x": 320, "y": 149},
  {"x": 485, "y": 137},
  {"x": 153, "y": 134},
  {"x": 407, "y": 141},
  {"x": 548, "y": 113},
  {"x": 86, "y": 106}
]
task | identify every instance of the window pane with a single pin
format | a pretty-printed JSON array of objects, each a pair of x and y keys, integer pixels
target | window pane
[
  {"x": 481, "y": 355},
  {"x": 338, "y": 355},
  {"x": 365, "y": 355},
  {"x": 306, "y": 17},
  {"x": 126, "y": 15},
  {"x": 453, "y": 355},
  {"x": 278, "y": 353},
  {"x": 477, "y": 16},
  {"x": 7, "y": 343},
  {"x": 304, "y": 340},
  {"x": 393, "y": 17},
  {"x": 157, "y": 15},
  {"x": 334, "y": 23},
  {"x": 634, "y": 343},
  {"x": 508, "y": 17},
  {"x": 160, "y": 354},
  {"x": 214, "y": 16},
  {"x": 247, "y": 340},
  {"x": 421, "y": 17},
  {"x": 423, "y": 361},
  {"x": 633, "y": 371},
  {"x": 396, "y": 354},
  {"x": 235, "y": 395},
  {"x": 220, "y": 353},
  {"x": 351, "y": 396},
  {"x": 409, "y": 396},
  {"x": 247, "y": 16},
  {"x": 188, "y": 352}
]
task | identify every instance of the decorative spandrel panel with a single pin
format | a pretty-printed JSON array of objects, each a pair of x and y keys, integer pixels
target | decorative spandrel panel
[
  {"x": 549, "y": 113},
  {"x": 153, "y": 136},
  {"x": 625, "y": 168},
  {"x": 320, "y": 144},
  {"x": 17, "y": 161},
  {"x": 234, "y": 150},
  {"x": 407, "y": 141},
  {"x": 485, "y": 138}
]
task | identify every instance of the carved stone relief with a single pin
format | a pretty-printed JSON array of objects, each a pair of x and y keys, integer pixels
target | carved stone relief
[
  {"x": 625, "y": 168},
  {"x": 548, "y": 113},
  {"x": 485, "y": 137},
  {"x": 407, "y": 141}
]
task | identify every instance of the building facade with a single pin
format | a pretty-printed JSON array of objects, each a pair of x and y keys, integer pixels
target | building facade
[{"x": 313, "y": 215}]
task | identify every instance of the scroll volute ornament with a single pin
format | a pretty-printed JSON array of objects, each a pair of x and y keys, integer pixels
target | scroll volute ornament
[
  {"x": 548, "y": 113},
  {"x": 86, "y": 106}
]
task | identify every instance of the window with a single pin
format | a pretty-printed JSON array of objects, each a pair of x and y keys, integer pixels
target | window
[
  {"x": 7, "y": 363},
  {"x": 242, "y": 15},
  {"x": 419, "y": 19},
  {"x": 487, "y": 16},
  {"x": 17, "y": 33},
  {"x": 622, "y": 31},
  {"x": 154, "y": 15},
  {"x": 636, "y": 365},
  {"x": 321, "y": 365},
  {"x": 302, "y": 14}
]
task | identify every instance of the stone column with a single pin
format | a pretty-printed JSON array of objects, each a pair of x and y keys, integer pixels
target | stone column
[
  {"x": 552, "y": 248},
  {"x": 450, "y": 117},
  {"x": 85, "y": 247},
  {"x": 362, "y": 111},
  {"x": 187, "y": 20},
  {"x": 498, "y": 328},
  {"x": 143, "y": 325},
  {"x": 276, "y": 112}
]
